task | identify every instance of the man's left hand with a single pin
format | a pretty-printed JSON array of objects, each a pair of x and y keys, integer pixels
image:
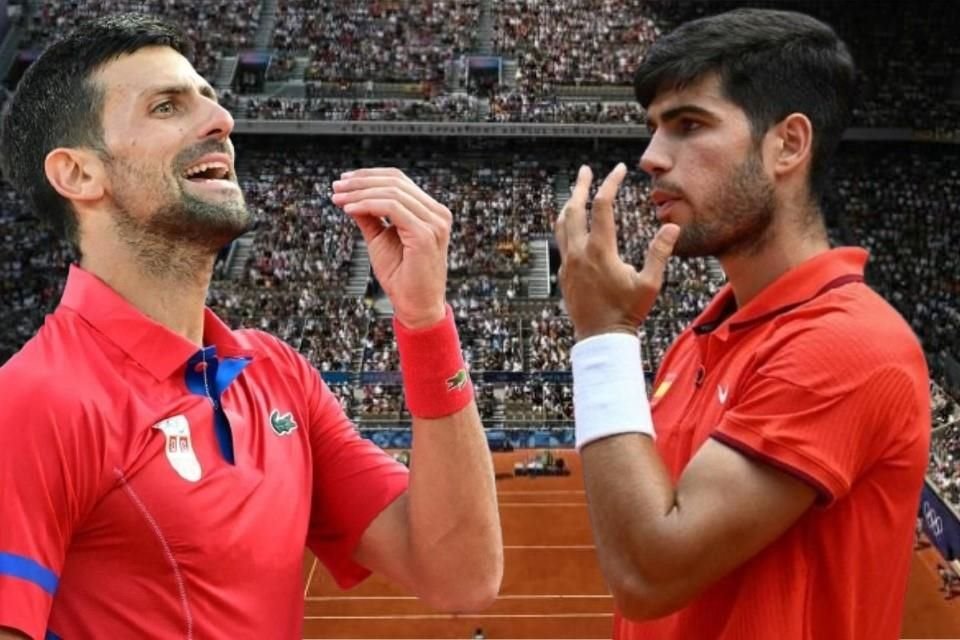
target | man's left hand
[
  {"x": 603, "y": 294},
  {"x": 408, "y": 255}
]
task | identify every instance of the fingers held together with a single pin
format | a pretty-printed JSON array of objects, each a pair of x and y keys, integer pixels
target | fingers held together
[{"x": 389, "y": 193}]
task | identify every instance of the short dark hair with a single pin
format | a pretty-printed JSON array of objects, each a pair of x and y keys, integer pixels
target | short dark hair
[
  {"x": 57, "y": 104},
  {"x": 770, "y": 64}
]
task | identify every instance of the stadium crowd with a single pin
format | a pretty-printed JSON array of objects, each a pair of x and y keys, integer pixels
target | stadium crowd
[
  {"x": 905, "y": 208},
  {"x": 33, "y": 267},
  {"x": 944, "y": 464},
  {"x": 301, "y": 237},
  {"x": 536, "y": 400},
  {"x": 441, "y": 108},
  {"x": 384, "y": 40},
  {"x": 495, "y": 211},
  {"x": 505, "y": 106},
  {"x": 214, "y": 27},
  {"x": 554, "y": 45},
  {"x": 574, "y": 41},
  {"x": 511, "y": 105},
  {"x": 332, "y": 329}
]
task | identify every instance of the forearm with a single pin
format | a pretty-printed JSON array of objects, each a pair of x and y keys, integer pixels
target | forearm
[
  {"x": 455, "y": 537},
  {"x": 446, "y": 526},
  {"x": 636, "y": 519},
  {"x": 661, "y": 543},
  {"x": 632, "y": 499}
]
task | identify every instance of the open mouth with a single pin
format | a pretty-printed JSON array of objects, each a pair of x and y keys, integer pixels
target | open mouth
[{"x": 207, "y": 171}]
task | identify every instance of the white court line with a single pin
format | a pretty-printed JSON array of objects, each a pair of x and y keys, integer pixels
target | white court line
[
  {"x": 511, "y": 547},
  {"x": 450, "y": 616},
  {"x": 531, "y": 493},
  {"x": 543, "y": 504},
  {"x": 538, "y": 596},
  {"x": 313, "y": 567},
  {"x": 549, "y": 546}
]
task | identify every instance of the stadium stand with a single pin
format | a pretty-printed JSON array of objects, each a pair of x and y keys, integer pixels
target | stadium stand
[
  {"x": 555, "y": 55},
  {"x": 575, "y": 41},
  {"x": 215, "y": 27},
  {"x": 945, "y": 446},
  {"x": 569, "y": 61},
  {"x": 33, "y": 267},
  {"x": 384, "y": 41}
]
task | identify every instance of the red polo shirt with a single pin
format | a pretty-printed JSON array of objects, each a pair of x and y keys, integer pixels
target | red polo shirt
[
  {"x": 149, "y": 489},
  {"x": 820, "y": 377}
]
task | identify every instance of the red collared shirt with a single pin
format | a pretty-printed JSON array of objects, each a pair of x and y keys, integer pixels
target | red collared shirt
[
  {"x": 141, "y": 498},
  {"x": 820, "y": 377}
]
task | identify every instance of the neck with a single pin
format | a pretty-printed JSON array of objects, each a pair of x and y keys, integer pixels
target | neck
[
  {"x": 790, "y": 243},
  {"x": 166, "y": 281}
]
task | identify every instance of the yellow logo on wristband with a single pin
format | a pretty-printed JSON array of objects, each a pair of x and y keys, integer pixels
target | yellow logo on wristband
[{"x": 458, "y": 381}]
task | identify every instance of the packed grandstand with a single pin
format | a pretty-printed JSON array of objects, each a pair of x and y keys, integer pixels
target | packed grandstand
[{"x": 303, "y": 273}]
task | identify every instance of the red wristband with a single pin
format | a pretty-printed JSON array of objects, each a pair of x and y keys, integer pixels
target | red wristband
[{"x": 435, "y": 379}]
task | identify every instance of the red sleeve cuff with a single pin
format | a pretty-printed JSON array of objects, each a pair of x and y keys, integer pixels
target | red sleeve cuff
[
  {"x": 828, "y": 485},
  {"x": 24, "y": 607},
  {"x": 346, "y": 572}
]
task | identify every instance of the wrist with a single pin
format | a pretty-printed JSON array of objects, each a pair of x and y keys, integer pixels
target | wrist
[
  {"x": 422, "y": 320},
  {"x": 622, "y": 329},
  {"x": 609, "y": 389},
  {"x": 436, "y": 383}
]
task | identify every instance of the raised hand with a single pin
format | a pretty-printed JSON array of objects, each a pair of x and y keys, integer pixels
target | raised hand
[
  {"x": 407, "y": 233},
  {"x": 603, "y": 294}
]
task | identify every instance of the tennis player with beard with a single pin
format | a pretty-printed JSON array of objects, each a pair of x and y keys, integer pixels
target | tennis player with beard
[
  {"x": 770, "y": 486},
  {"x": 160, "y": 473}
]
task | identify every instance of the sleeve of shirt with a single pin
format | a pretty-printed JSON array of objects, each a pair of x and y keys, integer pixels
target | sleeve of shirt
[
  {"x": 353, "y": 481},
  {"x": 821, "y": 407},
  {"x": 48, "y": 480}
]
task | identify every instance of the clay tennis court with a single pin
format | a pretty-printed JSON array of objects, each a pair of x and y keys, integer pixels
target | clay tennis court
[{"x": 552, "y": 588}]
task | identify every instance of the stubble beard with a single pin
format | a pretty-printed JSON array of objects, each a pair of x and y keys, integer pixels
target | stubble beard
[
  {"x": 178, "y": 238},
  {"x": 738, "y": 219}
]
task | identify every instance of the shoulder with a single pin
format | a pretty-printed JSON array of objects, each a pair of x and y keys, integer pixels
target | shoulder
[
  {"x": 843, "y": 339},
  {"x": 65, "y": 348},
  {"x": 285, "y": 357},
  {"x": 45, "y": 404},
  {"x": 49, "y": 370},
  {"x": 283, "y": 364}
]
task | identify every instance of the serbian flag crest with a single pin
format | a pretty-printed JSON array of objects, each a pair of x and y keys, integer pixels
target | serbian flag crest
[{"x": 179, "y": 447}]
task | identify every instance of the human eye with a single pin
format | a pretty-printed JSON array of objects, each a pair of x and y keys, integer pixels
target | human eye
[{"x": 167, "y": 107}]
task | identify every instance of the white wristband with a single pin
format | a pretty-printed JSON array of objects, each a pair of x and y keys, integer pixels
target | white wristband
[{"x": 609, "y": 391}]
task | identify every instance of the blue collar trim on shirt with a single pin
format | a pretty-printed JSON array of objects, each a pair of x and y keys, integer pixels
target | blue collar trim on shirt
[{"x": 208, "y": 376}]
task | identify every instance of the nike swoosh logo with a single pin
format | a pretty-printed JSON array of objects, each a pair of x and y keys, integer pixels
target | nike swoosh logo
[{"x": 722, "y": 394}]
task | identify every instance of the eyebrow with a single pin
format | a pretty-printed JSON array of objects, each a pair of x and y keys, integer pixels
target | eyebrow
[
  {"x": 179, "y": 89},
  {"x": 681, "y": 110}
]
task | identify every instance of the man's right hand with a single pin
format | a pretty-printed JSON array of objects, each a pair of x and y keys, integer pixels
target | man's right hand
[
  {"x": 604, "y": 294},
  {"x": 408, "y": 256}
]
